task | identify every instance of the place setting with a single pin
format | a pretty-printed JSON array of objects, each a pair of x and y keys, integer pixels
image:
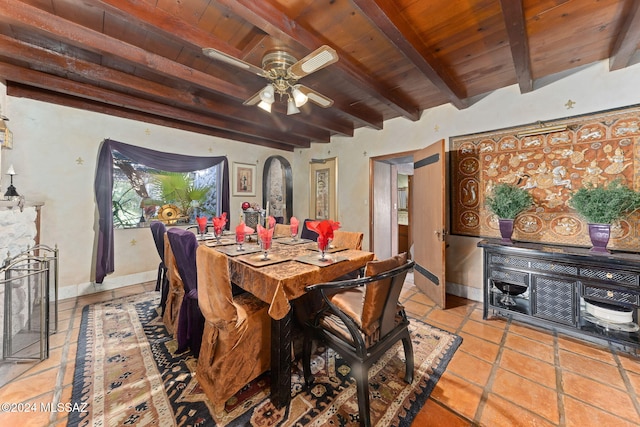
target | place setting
[
  {"x": 241, "y": 247},
  {"x": 325, "y": 235},
  {"x": 294, "y": 239},
  {"x": 264, "y": 256}
]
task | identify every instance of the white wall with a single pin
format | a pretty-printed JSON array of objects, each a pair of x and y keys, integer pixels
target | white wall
[
  {"x": 48, "y": 141},
  {"x": 54, "y": 155},
  {"x": 592, "y": 88}
]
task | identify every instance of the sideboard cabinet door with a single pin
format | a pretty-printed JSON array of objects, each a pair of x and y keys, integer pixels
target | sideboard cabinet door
[{"x": 554, "y": 299}]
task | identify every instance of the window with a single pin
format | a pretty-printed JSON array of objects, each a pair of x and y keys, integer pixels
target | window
[{"x": 141, "y": 193}]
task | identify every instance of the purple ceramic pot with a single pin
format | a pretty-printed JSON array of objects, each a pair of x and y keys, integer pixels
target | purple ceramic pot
[
  {"x": 599, "y": 234},
  {"x": 506, "y": 230}
]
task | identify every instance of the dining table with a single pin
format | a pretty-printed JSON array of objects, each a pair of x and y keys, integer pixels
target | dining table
[{"x": 278, "y": 280}]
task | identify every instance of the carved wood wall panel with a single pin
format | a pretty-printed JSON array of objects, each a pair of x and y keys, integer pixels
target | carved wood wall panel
[{"x": 595, "y": 148}]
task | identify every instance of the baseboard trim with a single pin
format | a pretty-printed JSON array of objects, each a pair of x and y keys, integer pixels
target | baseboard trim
[
  {"x": 474, "y": 294},
  {"x": 109, "y": 283}
]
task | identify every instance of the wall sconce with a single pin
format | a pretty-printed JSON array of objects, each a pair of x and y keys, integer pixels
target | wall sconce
[
  {"x": 541, "y": 129},
  {"x": 11, "y": 193}
]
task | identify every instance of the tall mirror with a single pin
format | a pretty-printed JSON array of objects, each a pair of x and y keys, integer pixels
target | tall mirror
[{"x": 277, "y": 188}]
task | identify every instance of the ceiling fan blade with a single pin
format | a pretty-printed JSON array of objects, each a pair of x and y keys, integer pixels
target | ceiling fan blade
[
  {"x": 315, "y": 61},
  {"x": 315, "y": 97},
  {"x": 221, "y": 56},
  {"x": 253, "y": 100}
]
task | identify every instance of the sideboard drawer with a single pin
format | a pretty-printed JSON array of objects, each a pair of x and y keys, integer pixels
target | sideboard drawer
[
  {"x": 554, "y": 267},
  {"x": 612, "y": 295},
  {"x": 510, "y": 276},
  {"x": 509, "y": 261},
  {"x": 610, "y": 275}
]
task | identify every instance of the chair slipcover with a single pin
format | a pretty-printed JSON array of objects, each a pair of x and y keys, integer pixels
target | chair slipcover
[
  {"x": 361, "y": 320},
  {"x": 282, "y": 230},
  {"x": 306, "y": 233},
  {"x": 190, "y": 320},
  {"x": 175, "y": 290},
  {"x": 158, "y": 231},
  {"x": 236, "y": 344},
  {"x": 347, "y": 239}
]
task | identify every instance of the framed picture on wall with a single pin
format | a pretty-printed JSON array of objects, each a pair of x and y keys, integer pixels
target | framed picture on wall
[
  {"x": 323, "y": 189},
  {"x": 244, "y": 179}
]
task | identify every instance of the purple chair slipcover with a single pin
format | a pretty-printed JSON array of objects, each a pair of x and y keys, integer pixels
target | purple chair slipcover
[
  {"x": 190, "y": 320},
  {"x": 158, "y": 230},
  {"x": 306, "y": 233}
]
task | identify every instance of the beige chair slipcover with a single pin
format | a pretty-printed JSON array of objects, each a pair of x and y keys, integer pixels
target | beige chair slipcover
[{"x": 236, "y": 343}]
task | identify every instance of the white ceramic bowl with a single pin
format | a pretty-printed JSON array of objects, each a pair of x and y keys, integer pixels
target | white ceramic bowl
[{"x": 609, "y": 312}]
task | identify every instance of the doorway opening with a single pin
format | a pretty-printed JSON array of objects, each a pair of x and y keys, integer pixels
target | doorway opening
[{"x": 390, "y": 207}]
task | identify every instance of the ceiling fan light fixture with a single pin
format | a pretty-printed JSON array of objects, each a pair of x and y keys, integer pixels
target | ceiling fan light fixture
[
  {"x": 268, "y": 94},
  {"x": 266, "y": 106},
  {"x": 299, "y": 97},
  {"x": 291, "y": 107}
]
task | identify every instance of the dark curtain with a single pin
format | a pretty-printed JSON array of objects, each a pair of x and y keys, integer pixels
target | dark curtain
[{"x": 155, "y": 159}]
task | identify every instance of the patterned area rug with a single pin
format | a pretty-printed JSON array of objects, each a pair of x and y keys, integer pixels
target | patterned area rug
[{"x": 128, "y": 374}]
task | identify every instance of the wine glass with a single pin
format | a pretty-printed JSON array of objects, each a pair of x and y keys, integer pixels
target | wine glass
[
  {"x": 218, "y": 232},
  {"x": 294, "y": 233},
  {"x": 240, "y": 241},
  {"x": 266, "y": 245},
  {"x": 202, "y": 225},
  {"x": 323, "y": 244}
]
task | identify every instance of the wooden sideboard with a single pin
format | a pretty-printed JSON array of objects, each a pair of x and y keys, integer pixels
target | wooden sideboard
[{"x": 549, "y": 286}]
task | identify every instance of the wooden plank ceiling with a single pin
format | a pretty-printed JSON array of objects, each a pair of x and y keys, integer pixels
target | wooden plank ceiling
[{"x": 143, "y": 59}]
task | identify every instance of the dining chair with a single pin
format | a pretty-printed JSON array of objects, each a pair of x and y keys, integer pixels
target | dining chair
[
  {"x": 236, "y": 344},
  {"x": 361, "y": 321},
  {"x": 190, "y": 320},
  {"x": 282, "y": 230},
  {"x": 158, "y": 231},
  {"x": 306, "y": 233},
  {"x": 347, "y": 239},
  {"x": 175, "y": 289}
]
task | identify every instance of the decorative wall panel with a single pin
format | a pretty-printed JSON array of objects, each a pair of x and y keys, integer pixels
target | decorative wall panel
[{"x": 594, "y": 149}]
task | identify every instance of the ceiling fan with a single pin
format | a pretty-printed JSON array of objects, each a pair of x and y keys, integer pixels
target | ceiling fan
[{"x": 283, "y": 70}]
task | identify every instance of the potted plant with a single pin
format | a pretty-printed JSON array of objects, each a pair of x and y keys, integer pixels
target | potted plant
[
  {"x": 506, "y": 201},
  {"x": 601, "y": 206},
  {"x": 180, "y": 189}
]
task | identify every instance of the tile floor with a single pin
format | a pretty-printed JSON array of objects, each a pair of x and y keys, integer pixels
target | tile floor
[{"x": 503, "y": 374}]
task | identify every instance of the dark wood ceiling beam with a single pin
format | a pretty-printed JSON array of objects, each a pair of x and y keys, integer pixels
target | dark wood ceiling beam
[
  {"x": 626, "y": 44},
  {"x": 385, "y": 16},
  {"x": 272, "y": 21},
  {"x": 97, "y": 74},
  {"x": 155, "y": 19},
  {"x": 96, "y": 42},
  {"x": 68, "y": 87},
  {"x": 513, "y": 14},
  {"x": 152, "y": 18},
  {"x": 23, "y": 91}
]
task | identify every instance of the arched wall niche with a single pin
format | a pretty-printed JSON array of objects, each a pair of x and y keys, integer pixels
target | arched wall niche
[{"x": 277, "y": 187}]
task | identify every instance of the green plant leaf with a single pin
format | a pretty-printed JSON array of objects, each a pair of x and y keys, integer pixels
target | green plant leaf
[
  {"x": 508, "y": 200},
  {"x": 605, "y": 204}
]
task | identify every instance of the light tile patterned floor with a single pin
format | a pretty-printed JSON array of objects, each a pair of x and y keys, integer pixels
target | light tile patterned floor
[{"x": 504, "y": 373}]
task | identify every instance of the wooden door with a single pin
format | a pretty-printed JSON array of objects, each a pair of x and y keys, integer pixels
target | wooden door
[{"x": 428, "y": 221}]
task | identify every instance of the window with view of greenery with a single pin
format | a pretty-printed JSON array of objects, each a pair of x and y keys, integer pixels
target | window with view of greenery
[{"x": 141, "y": 193}]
